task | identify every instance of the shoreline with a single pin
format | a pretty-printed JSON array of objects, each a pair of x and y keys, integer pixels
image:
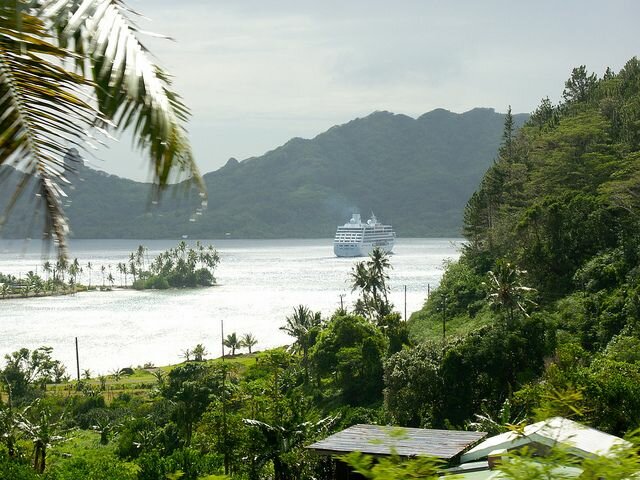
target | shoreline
[{"x": 18, "y": 296}]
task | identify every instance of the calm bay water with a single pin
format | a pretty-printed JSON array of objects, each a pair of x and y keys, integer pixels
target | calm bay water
[{"x": 259, "y": 283}]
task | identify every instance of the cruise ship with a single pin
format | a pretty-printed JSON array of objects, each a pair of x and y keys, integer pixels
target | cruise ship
[{"x": 356, "y": 239}]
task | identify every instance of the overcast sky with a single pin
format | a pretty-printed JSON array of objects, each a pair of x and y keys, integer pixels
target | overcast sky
[{"x": 257, "y": 73}]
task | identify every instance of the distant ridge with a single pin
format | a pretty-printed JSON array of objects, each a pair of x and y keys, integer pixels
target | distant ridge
[{"x": 413, "y": 173}]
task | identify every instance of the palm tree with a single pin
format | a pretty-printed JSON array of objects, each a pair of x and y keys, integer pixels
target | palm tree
[
  {"x": 61, "y": 268},
  {"x": 199, "y": 352},
  {"x": 74, "y": 269},
  {"x": 119, "y": 270},
  {"x": 102, "y": 270},
  {"x": 232, "y": 342},
  {"x": 132, "y": 266},
  {"x": 505, "y": 290},
  {"x": 110, "y": 279},
  {"x": 125, "y": 272},
  {"x": 140, "y": 256},
  {"x": 90, "y": 268},
  {"x": 248, "y": 341},
  {"x": 47, "y": 268},
  {"x": 45, "y": 103},
  {"x": 371, "y": 278},
  {"x": 302, "y": 326},
  {"x": 379, "y": 264}
]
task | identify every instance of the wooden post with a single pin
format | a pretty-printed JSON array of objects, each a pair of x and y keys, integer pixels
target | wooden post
[{"x": 77, "y": 360}]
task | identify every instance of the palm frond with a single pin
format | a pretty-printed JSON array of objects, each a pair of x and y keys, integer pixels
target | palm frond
[
  {"x": 132, "y": 90},
  {"x": 42, "y": 114}
]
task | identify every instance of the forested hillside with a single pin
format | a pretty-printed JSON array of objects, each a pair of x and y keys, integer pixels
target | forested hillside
[
  {"x": 413, "y": 173},
  {"x": 539, "y": 318},
  {"x": 543, "y": 306}
]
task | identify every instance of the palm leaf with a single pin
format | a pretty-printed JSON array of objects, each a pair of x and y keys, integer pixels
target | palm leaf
[
  {"x": 131, "y": 89},
  {"x": 42, "y": 114}
]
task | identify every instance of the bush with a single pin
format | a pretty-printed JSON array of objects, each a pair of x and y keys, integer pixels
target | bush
[{"x": 14, "y": 469}]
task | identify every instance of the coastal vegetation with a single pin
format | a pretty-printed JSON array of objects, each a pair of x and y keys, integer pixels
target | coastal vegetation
[
  {"x": 183, "y": 266},
  {"x": 178, "y": 267},
  {"x": 552, "y": 241},
  {"x": 538, "y": 318}
]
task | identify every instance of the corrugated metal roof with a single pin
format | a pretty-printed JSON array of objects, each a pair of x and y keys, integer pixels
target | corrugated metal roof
[
  {"x": 579, "y": 439},
  {"x": 406, "y": 442}
]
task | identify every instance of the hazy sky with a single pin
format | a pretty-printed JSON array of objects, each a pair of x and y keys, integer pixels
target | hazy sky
[{"x": 257, "y": 73}]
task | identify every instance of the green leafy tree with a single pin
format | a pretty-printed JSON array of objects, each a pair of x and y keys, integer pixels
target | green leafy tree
[
  {"x": 580, "y": 85},
  {"x": 351, "y": 350},
  {"x": 190, "y": 387},
  {"x": 27, "y": 372},
  {"x": 506, "y": 152},
  {"x": 413, "y": 385}
]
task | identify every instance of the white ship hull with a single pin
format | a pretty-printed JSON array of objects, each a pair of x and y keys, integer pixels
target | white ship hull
[
  {"x": 360, "y": 250},
  {"x": 358, "y": 239}
]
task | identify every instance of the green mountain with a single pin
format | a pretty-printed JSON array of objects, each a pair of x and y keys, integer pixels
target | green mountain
[{"x": 413, "y": 173}]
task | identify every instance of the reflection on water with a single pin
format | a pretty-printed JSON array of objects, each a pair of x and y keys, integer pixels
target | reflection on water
[{"x": 260, "y": 281}]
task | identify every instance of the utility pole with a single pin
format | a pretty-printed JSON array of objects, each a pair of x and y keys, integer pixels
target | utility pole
[
  {"x": 222, "y": 337},
  {"x": 444, "y": 320},
  {"x": 342, "y": 295},
  {"x": 405, "y": 303},
  {"x": 77, "y": 360},
  {"x": 428, "y": 290},
  {"x": 224, "y": 403}
]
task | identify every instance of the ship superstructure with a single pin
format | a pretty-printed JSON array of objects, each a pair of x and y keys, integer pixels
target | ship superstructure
[{"x": 355, "y": 238}]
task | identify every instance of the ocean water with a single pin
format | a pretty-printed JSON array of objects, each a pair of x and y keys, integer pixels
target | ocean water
[{"x": 259, "y": 284}]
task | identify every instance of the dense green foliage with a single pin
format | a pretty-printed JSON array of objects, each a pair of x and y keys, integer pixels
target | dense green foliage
[
  {"x": 247, "y": 418},
  {"x": 178, "y": 267},
  {"x": 552, "y": 232},
  {"x": 538, "y": 318},
  {"x": 413, "y": 173}
]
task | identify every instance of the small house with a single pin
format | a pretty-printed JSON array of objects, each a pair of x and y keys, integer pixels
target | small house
[{"x": 376, "y": 440}]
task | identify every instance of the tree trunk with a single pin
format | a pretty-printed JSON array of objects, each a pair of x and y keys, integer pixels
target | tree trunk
[
  {"x": 305, "y": 359},
  {"x": 39, "y": 461}
]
